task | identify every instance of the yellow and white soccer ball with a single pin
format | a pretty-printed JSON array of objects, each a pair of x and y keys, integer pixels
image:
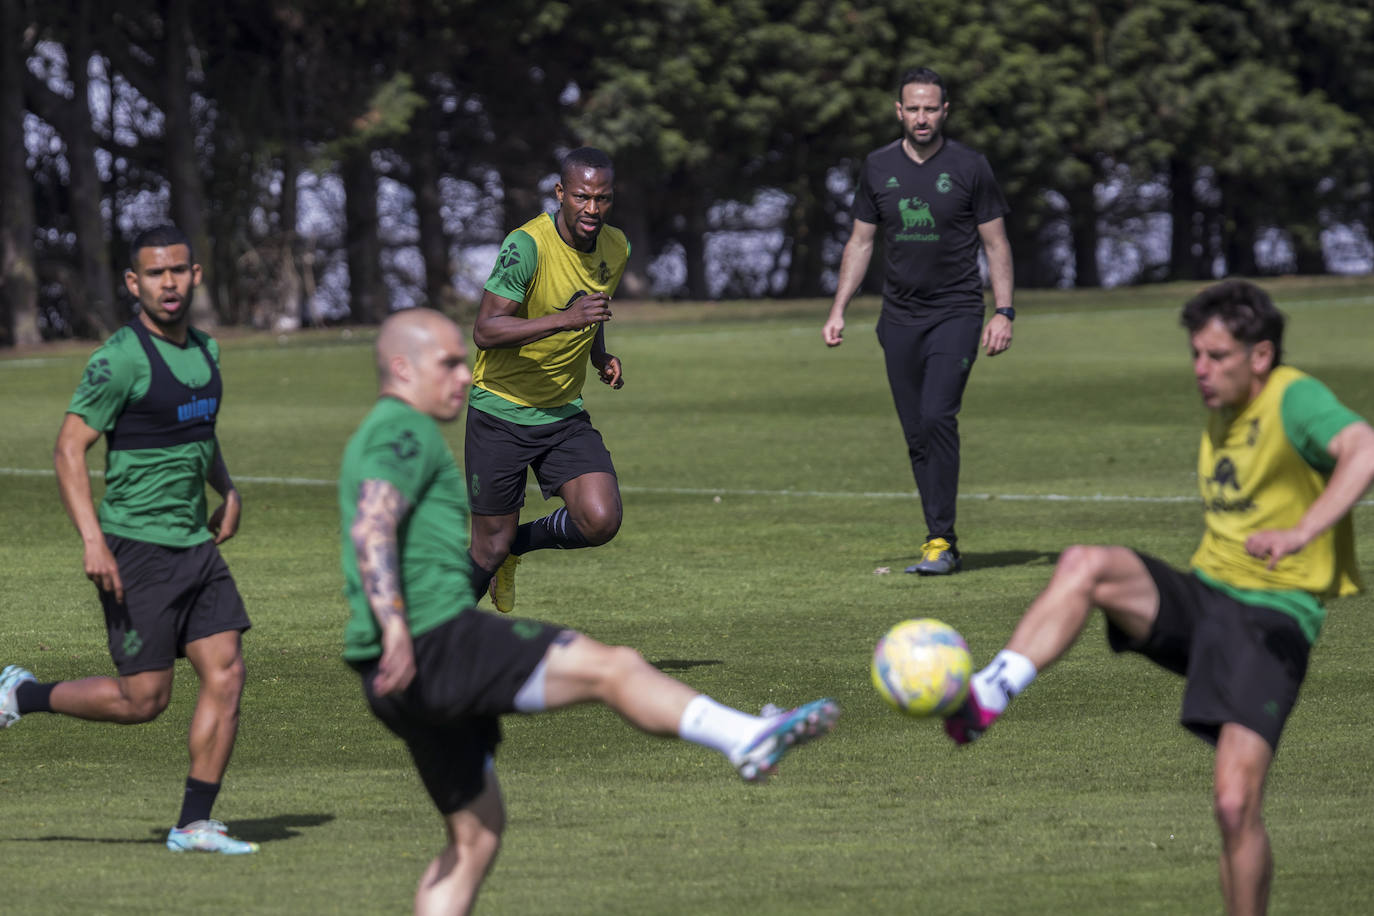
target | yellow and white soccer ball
[{"x": 922, "y": 668}]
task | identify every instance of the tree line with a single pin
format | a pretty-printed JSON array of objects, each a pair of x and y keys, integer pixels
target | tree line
[{"x": 365, "y": 143}]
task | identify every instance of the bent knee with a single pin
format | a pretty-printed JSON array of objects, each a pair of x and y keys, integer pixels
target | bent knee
[
  {"x": 599, "y": 525},
  {"x": 1086, "y": 561},
  {"x": 138, "y": 710},
  {"x": 621, "y": 660}
]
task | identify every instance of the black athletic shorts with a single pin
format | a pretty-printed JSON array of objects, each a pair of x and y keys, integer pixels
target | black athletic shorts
[
  {"x": 496, "y": 453},
  {"x": 467, "y": 673},
  {"x": 172, "y": 596},
  {"x": 1244, "y": 663}
]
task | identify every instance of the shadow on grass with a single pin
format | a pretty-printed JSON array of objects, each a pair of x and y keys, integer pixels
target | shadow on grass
[
  {"x": 1010, "y": 558},
  {"x": 257, "y": 830},
  {"x": 974, "y": 561},
  {"x": 682, "y": 664},
  {"x": 281, "y": 827}
]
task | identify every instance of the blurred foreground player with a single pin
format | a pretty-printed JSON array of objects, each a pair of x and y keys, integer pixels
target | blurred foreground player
[{"x": 438, "y": 672}]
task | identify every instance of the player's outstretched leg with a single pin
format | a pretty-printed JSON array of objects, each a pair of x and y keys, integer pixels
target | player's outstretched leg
[
  {"x": 967, "y": 723},
  {"x": 759, "y": 759},
  {"x": 578, "y": 669},
  {"x": 10, "y": 679}
]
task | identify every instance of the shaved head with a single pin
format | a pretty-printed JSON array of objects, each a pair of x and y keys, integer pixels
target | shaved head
[{"x": 421, "y": 360}]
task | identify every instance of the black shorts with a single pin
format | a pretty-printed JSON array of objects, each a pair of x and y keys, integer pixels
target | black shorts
[
  {"x": 496, "y": 453},
  {"x": 172, "y": 596},
  {"x": 1244, "y": 663},
  {"x": 467, "y": 673}
]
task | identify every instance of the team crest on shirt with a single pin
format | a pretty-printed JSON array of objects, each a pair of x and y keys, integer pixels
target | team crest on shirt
[
  {"x": 97, "y": 373},
  {"x": 406, "y": 446},
  {"x": 1253, "y": 433},
  {"x": 603, "y": 273},
  {"x": 943, "y": 183},
  {"x": 1223, "y": 478},
  {"x": 893, "y": 182}
]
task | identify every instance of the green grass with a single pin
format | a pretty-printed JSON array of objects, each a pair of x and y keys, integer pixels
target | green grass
[{"x": 1087, "y": 798}]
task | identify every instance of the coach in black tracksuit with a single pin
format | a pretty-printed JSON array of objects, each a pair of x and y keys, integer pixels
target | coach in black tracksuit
[{"x": 937, "y": 200}]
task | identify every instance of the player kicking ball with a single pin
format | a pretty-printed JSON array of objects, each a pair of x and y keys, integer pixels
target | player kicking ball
[
  {"x": 440, "y": 673},
  {"x": 1281, "y": 464}
]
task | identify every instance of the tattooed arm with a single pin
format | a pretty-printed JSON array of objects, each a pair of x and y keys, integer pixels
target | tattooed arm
[{"x": 381, "y": 507}]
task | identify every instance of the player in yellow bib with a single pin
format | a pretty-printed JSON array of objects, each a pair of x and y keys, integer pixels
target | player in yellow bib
[
  {"x": 541, "y": 320},
  {"x": 1282, "y": 464}
]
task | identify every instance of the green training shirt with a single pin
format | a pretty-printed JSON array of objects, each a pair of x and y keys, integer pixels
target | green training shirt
[
  {"x": 404, "y": 447},
  {"x": 155, "y": 495}
]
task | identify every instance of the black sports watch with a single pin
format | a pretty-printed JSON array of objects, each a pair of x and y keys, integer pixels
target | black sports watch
[{"x": 1008, "y": 313}]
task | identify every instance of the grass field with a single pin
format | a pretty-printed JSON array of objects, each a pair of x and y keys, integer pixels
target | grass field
[{"x": 765, "y": 484}]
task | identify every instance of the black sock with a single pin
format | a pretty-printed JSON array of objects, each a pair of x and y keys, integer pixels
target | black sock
[
  {"x": 199, "y": 799},
  {"x": 32, "y": 696},
  {"x": 555, "y": 530},
  {"x": 481, "y": 578}
]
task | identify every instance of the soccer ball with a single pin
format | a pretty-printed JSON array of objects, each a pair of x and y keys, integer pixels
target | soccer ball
[{"x": 922, "y": 668}]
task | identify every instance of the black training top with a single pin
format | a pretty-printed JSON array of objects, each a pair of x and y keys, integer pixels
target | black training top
[{"x": 930, "y": 212}]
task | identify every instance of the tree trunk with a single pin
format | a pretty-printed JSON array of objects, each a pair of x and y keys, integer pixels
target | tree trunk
[
  {"x": 1185, "y": 248},
  {"x": 1085, "y": 235},
  {"x": 1307, "y": 249},
  {"x": 1239, "y": 231},
  {"x": 434, "y": 241},
  {"x": 99, "y": 315},
  {"x": 810, "y": 224},
  {"x": 366, "y": 290},
  {"x": 18, "y": 270},
  {"x": 295, "y": 301},
  {"x": 694, "y": 243},
  {"x": 631, "y": 216},
  {"x": 183, "y": 168}
]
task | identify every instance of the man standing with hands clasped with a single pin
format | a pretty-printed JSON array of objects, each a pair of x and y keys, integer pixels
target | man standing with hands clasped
[{"x": 937, "y": 201}]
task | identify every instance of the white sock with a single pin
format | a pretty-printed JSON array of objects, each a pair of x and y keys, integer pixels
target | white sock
[
  {"x": 1008, "y": 674},
  {"x": 717, "y": 726}
]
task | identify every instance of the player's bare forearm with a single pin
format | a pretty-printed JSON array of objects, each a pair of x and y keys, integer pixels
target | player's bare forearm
[
  {"x": 1351, "y": 478},
  {"x": 381, "y": 508},
  {"x": 218, "y": 478},
  {"x": 73, "y": 476},
  {"x": 998, "y": 251},
  {"x": 858, "y": 252},
  {"x": 499, "y": 327}
]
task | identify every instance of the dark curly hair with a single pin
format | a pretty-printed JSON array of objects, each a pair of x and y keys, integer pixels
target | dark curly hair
[{"x": 1243, "y": 308}]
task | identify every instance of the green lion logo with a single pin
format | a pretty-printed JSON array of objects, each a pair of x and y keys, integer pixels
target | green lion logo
[
  {"x": 133, "y": 643},
  {"x": 943, "y": 183},
  {"x": 915, "y": 212}
]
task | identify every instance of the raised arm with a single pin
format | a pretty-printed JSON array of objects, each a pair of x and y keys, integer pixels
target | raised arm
[
  {"x": 1353, "y": 449},
  {"x": 498, "y": 325},
  {"x": 381, "y": 508},
  {"x": 858, "y": 252},
  {"x": 74, "y": 439}
]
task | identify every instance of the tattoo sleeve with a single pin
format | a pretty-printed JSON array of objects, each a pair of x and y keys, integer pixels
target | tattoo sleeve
[{"x": 381, "y": 508}]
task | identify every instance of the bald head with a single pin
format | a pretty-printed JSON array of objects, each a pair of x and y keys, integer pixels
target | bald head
[{"x": 421, "y": 360}]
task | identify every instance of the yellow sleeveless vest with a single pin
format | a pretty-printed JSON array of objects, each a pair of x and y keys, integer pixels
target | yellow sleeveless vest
[
  {"x": 551, "y": 372},
  {"x": 1252, "y": 479}
]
